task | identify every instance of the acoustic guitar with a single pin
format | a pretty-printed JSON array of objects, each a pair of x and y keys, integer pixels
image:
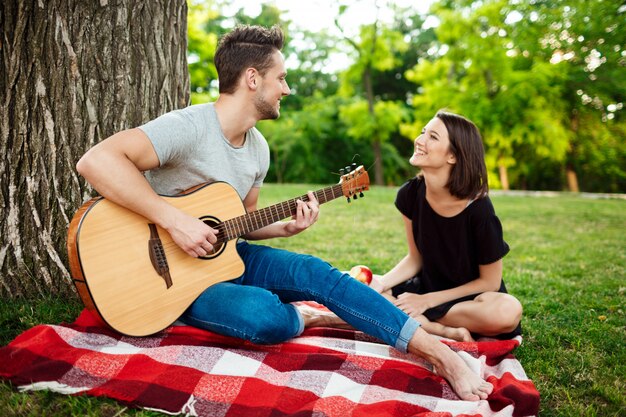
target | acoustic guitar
[{"x": 138, "y": 281}]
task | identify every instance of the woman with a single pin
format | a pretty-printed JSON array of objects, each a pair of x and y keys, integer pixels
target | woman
[{"x": 451, "y": 278}]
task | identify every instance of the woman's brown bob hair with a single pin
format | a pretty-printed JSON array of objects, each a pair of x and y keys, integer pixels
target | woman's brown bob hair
[{"x": 468, "y": 178}]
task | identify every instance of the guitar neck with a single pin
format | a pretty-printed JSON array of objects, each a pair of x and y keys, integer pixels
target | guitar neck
[{"x": 244, "y": 224}]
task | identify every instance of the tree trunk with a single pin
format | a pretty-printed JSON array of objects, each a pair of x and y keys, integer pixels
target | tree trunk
[
  {"x": 570, "y": 173},
  {"x": 572, "y": 180},
  {"x": 504, "y": 177},
  {"x": 74, "y": 72},
  {"x": 376, "y": 148}
]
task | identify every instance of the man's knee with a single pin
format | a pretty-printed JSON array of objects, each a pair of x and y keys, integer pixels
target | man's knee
[{"x": 275, "y": 326}]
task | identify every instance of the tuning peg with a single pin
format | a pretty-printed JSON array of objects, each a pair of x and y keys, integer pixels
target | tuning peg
[
  {"x": 342, "y": 171},
  {"x": 348, "y": 198},
  {"x": 355, "y": 196},
  {"x": 347, "y": 169},
  {"x": 353, "y": 167},
  {"x": 361, "y": 194}
]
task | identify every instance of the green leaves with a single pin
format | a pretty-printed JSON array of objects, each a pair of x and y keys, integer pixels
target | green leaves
[
  {"x": 363, "y": 126},
  {"x": 543, "y": 81},
  {"x": 201, "y": 44}
]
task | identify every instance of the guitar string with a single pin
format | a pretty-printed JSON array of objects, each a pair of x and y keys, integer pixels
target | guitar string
[{"x": 266, "y": 215}]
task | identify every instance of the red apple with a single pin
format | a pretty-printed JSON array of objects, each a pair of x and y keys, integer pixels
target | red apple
[{"x": 361, "y": 273}]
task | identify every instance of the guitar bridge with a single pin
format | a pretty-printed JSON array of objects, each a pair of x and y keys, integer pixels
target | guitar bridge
[{"x": 157, "y": 255}]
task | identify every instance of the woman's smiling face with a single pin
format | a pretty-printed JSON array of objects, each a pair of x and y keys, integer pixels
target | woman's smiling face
[{"x": 432, "y": 146}]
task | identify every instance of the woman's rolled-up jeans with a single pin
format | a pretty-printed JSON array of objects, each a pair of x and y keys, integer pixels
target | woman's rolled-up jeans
[{"x": 256, "y": 305}]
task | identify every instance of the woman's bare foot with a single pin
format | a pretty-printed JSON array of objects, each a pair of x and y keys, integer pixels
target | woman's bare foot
[
  {"x": 460, "y": 334},
  {"x": 314, "y": 317},
  {"x": 465, "y": 383}
]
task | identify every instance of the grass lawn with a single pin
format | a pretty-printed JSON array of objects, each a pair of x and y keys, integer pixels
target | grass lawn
[{"x": 567, "y": 265}]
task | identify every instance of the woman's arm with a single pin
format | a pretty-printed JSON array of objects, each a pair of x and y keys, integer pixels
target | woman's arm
[
  {"x": 489, "y": 280},
  {"x": 407, "y": 268}
]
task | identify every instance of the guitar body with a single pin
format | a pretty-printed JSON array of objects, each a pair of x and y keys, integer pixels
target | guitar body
[
  {"x": 113, "y": 272},
  {"x": 138, "y": 281}
]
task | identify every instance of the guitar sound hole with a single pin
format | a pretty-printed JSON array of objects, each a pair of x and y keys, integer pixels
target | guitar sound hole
[{"x": 220, "y": 245}]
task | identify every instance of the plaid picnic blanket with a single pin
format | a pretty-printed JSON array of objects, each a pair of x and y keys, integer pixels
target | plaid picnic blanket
[{"x": 324, "y": 372}]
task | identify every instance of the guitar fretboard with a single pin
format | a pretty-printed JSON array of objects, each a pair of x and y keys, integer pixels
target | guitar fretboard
[{"x": 239, "y": 226}]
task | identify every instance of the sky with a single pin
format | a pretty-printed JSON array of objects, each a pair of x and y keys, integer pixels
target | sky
[
  {"x": 316, "y": 15},
  {"x": 319, "y": 14}
]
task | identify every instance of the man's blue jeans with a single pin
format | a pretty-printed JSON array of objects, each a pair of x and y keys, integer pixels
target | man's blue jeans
[{"x": 256, "y": 305}]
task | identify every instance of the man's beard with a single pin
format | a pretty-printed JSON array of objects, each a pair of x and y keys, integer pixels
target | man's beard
[{"x": 266, "y": 111}]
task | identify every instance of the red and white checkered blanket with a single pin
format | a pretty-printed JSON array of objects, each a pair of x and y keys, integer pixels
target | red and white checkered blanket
[{"x": 325, "y": 372}]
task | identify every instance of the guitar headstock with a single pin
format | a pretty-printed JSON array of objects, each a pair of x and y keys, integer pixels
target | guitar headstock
[{"x": 354, "y": 183}]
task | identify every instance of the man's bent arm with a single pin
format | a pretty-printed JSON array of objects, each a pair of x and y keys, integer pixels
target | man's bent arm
[{"x": 114, "y": 168}]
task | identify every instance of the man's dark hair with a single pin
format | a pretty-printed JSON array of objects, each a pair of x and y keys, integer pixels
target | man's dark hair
[
  {"x": 468, "y": 177},
  {"x": 242, "y": 48}
]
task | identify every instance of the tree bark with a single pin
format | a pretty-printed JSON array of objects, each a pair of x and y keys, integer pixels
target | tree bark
[{"x": 74, "y": 72}]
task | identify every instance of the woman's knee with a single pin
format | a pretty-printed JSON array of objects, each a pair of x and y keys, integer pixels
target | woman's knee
[
  {"x": 507, "y": 312},
  {"x": 502, "y": 312}
]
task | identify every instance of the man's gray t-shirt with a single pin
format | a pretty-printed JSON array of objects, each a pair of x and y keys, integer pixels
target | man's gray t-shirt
[{"x": 192, "y": 150}]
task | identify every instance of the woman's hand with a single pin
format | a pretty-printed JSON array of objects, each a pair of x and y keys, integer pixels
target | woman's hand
[
  {"x": 413, "y": 304},
  {"x": 377, "y": 283}
]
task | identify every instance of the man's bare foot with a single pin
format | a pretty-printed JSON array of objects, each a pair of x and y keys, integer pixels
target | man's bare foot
[
  {"x": 314, "y": 317},
  {"x": 465, "y": 383}
]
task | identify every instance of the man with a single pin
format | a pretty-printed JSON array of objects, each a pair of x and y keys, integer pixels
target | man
[{"x": 219, "y": 141}]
